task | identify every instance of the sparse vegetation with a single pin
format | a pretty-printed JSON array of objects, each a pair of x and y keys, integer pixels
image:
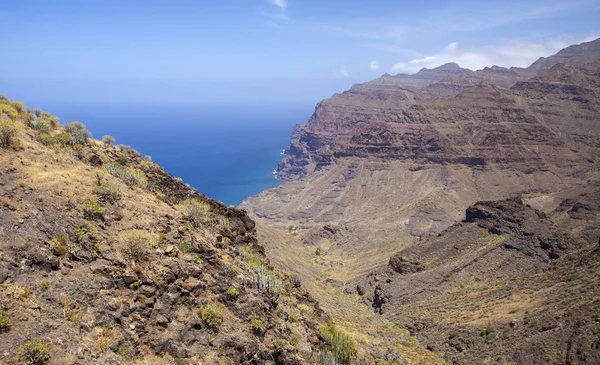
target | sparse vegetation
[
  {"x": 108, "y": 140},
  {"x": 34, "y": 353},
  {"x": 280, "y": 345},
  {"x": 78, "y": 133},
  {"x": 91, "y": 210},
  {"x": 269, "y": 283},
  {"x": 8, "y": 130},
  {"x": 342, "y": 344},
  {"x": 232, "y": 294},
  {"x": 212, "y": 316},
  {"x": 257, "y": 325},
  {"x": 4, "y": 321},
  {"x": 296, "y": 281},
  {"x": 131, "y": 175},
  {"x": 108, "y": 193},
  {"x": 137, "y": 243},
  {"x": 195, "y": 211},
  {"x": 60, "y": 244}
]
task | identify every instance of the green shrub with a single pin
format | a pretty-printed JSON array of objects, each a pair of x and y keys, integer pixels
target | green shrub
[
  {"x": 53, "y": 121},
  {"x": 91, "y": 210},
  {"x": 257, "y": 325},
  {"x": 268, "y": 283},
  {"x": 45, "y": 139},
  {"x": 296, "y": 281},
  {"x": 8, "y": 130},
  {"x": 9, "y": 110},
  {"x": 60, "y": 244},
  {"x": 108, "y": 140},
  {"x": 4, "y": 321},
  {"x": 137, "y": 243},
  {"x": 194, "y": 210},
  {"x": 232, "y": 294},
  {"x": 40, "y": 125},
  {"x": 62, "y": 139},
  {"x": 212, "y": 315},
  {"x": 148, "y": 158},
  {"x": 109, "y": 193},
  {"x": 78, "y": 133},
  {"x": 130, "y": 175},
  {"x": 341, "y": 343},
  {"x": 34, "y": 353},
  {"x": 280, "y": 345}
]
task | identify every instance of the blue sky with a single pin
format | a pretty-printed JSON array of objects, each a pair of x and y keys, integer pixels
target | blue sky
[{"x": 263, "y": 51}]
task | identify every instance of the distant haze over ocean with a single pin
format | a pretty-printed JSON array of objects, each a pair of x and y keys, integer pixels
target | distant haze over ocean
[{"x": 228, "y": 154}]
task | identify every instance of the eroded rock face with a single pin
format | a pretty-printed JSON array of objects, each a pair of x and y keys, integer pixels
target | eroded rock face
[{"x": 512, "y": 117}]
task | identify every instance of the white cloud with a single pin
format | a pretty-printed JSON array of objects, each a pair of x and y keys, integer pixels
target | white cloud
[
  {"x": 374, "y": 65},
  {"x": 342, "y": 72},
  {"x": 281, "y": 14},
  {"x": 279, "y": 3},
  {"x": 593, "y": 37},
  {"x": 516, "y": 53}
]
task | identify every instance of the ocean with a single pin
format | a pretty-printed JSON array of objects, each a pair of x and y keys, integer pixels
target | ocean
[{"x": 228, "y": 154}]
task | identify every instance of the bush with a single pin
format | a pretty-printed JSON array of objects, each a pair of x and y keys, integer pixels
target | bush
[
  {"x": 8, "y": 130},
  {"x": 296, "y": 281},
  {"x": 232, "y": 294},
  {"x": 7, "y": 109},
  {"x": 280, "y": 345},
  {"x": 212, "y": 315},
  {"x": 78, "y": 133},
  {"x": 269, "y": 283},
  {"x": 130, "y": 175},
  {"x": 137, "y": 243},
  {"x": 109, "y": 193},
  {"x": 40, "y": 125},
  {"x": 4, "y": 321},
  {"x": 257, "y": 325},
  {"x": 53, "y": 121},
  {"x": 91, "y": 210},
  {"x": 60, "y": 244},
  {"x": 108, "y": 140},
  {"x": 45, "y": 139},
  {"x": 341, "y": 343},
  {"x": 34, "y": 353},
  {"x": 194, "y": 210}
]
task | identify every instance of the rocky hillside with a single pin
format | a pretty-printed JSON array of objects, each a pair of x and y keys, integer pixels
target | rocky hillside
[
  {"x": 508, "y": 284},
  {"x": 384, "y": 164},
  {"x": 107, "y": 259},
  {"x": 387, "y": 165}
]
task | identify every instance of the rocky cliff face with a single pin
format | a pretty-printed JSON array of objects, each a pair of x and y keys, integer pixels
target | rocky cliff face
[
  {"x": 467, "y": 130},
  {"x": 454, "y": 116}
]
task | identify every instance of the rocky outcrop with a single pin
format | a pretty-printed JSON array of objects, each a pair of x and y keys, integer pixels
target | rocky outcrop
[{"x": 509, "y": 281}]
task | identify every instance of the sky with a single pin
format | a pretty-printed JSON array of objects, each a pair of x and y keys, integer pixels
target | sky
[{"x": 263, "y": 51}]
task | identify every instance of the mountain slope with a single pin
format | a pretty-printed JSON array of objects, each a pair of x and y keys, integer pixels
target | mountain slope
[
  {"x": 107, "y": 259},
  {"x": 529, "y": 279},
  {"x": 383, "y": 167}
]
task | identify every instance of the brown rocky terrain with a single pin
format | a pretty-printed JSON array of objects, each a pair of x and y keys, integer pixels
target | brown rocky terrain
[
  {"x": 508, "y": 284},
  {"x": 384, "y": 167},
  {"x": 107, "y": 259}
]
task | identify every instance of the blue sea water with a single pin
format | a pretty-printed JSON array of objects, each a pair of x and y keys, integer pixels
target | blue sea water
[{"x": 228, "y": 154}]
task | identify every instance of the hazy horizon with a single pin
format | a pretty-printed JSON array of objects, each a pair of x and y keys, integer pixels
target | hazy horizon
[{"x": 263, "y": 52}]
